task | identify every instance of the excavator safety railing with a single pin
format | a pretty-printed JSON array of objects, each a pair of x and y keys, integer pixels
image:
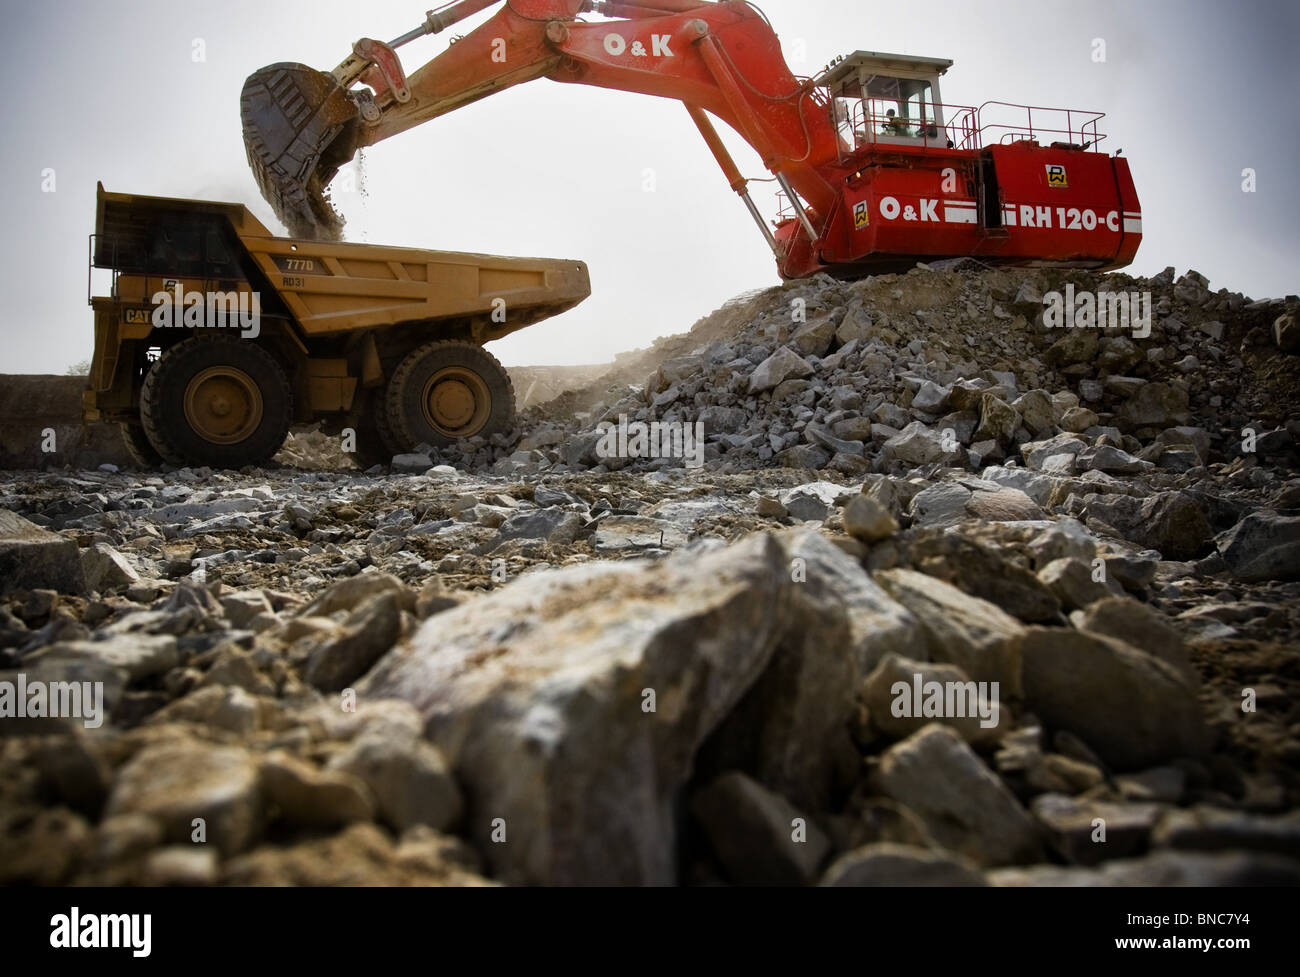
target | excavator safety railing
[
  {"x": 1000, "y": 123},
  {"x": 861, "y": 126},
  {"x": 965, "y": 128}
]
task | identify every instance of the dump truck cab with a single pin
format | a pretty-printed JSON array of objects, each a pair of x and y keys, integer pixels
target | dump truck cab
[{"x": 213, "y": 336}]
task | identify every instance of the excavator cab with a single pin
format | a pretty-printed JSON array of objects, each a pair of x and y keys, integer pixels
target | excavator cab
[{"x": 887, "y": 99}]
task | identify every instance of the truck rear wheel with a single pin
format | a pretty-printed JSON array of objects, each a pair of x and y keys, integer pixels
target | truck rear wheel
[
  {"x": 444, "y": 392},
  {"x": 376, "y": 443},
  {"x": 218, "y": 401}
]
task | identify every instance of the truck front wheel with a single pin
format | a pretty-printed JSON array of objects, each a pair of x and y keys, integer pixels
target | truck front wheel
[
  {"x": 445, "y": 392},
  {"x": 218, "y": 401}
]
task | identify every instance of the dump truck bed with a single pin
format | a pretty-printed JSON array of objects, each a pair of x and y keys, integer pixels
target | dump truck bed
[{"x": 326, "y": 287}]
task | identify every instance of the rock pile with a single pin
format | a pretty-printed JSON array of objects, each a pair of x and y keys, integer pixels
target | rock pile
[{"x": 949, "y": 591}]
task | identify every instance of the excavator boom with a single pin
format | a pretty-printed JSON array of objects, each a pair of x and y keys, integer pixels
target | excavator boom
[{"x": 837, "y": 156}]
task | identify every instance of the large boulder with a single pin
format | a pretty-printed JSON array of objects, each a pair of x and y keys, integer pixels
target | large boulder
[
  {"x": 32, "y": 558},
  {"x": 790, "y": 730},
  {"x": 1132, "y": 708},
  {"x": 1263, "y": 546},
  {"x": 570, "y": 704},
  {"x": 1175, "y": 523}
]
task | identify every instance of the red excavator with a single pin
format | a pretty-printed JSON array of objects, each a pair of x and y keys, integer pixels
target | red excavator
[{"x": 876, "y": 171}]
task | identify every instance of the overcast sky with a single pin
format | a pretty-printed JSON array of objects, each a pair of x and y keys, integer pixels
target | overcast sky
[{"x": 1195, "y": 92}]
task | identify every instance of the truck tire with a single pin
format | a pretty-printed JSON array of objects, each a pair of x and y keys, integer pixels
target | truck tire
[
  {"x": 445, "y": 392},
  {"x": 139, "y": 447},
  {"x": 376, "y": 443},
  {"x": 218, "y": 401}
]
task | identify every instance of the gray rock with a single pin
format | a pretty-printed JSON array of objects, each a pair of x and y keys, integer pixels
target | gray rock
[
  {"x": 242, "y": 606},
  {"x": 963, "y": 804},
  {"x": 1072, "y": 829},
  {"x": 867, "y": 520},
  {"x": 1067, "y": 538},
  {"x": 106, "y": 569},
  {"x": 917, "y": 444},
  {"x": 980, "y": 638},
  {"x": 367, "y": 633},
  {"x": 1107, "y": 458},
  {"x": 32, "y": 557},
  {"x": 1036, "y": 411},
  {"x": 1207, "y": 828},
  {"x": 1003, "y": 505},
  {"x": 1132, "y": 708},
  {"x": 546, "y": 496},
  {"x": 1075, "y": 347},
  {"x": 1155, "y": 405},
  {"x": 1038, "y": 487},
  {"x": 407, "y": 777},
  {"x": 932, "y": 398},
  {"x": 137, "y": 656},
  {"x": 1263, "y": 546},
  {"x": 1036, "y": 453},
  {"x": 940, "y": 505},
  {"x": 618, "y": 534},
  {"x": 412, "y": 463},
  {"x": 812, "y": 501},
  {"x": 1164, "y": 868},
  {"x": 893, "y": 711},
  {"x": 887, "y": 863},
  {"x": 349, "y": 594},
  {"x": 678, "y": 369},
  {"x": 814, "y": 337},
  {"x": 303, "y": 795},
  {"x": 1076, "y": 420},
  {"x": 809, "y": 457},
  {"x": 183, "y": 512},
  {"x": 560, "y": 705},
  {"x": 1138, "y": 625},
  {"x": 790, "y": 730},
  {"x": 755, "y": 834},
  {"x": 784, "y": 364},
  {"x": 178, "y": 781},
  {"x": 998, "y": 420},
  {"x": 1072, "y": 582},
  {"x": 852, "y": 448},
  {"x": 1175, "y": 523},
  {"x": 1286, "y": 333},
  {"x": 558, "y": 526}
]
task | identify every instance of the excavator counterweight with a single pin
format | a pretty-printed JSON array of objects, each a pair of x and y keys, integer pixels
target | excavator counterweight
[{"x": 875, "y": 170}]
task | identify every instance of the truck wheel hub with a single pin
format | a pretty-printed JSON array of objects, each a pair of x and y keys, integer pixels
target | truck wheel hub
[
  {"x": 223, "y": 405},
  {"x": 456, "y": 402}
]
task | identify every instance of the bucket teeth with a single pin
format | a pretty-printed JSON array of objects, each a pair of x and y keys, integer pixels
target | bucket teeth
[{"x": 300, "y": 126}]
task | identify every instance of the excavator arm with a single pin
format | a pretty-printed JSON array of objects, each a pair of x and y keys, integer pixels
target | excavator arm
[{"x": 301, "y": 125}]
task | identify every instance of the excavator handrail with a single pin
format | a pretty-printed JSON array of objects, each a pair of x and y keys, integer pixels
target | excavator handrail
[{"x": 1086, "y": 131}]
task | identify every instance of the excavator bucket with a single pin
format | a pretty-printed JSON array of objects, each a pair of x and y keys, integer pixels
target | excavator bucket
[{"x": 300, "y": 126}]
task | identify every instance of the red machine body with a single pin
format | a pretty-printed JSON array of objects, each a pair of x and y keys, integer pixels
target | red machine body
[{"x": 877, "y": 172}]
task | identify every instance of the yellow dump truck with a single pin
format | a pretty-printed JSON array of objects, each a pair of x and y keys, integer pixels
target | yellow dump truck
[{"x": 216, "y": 336}]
